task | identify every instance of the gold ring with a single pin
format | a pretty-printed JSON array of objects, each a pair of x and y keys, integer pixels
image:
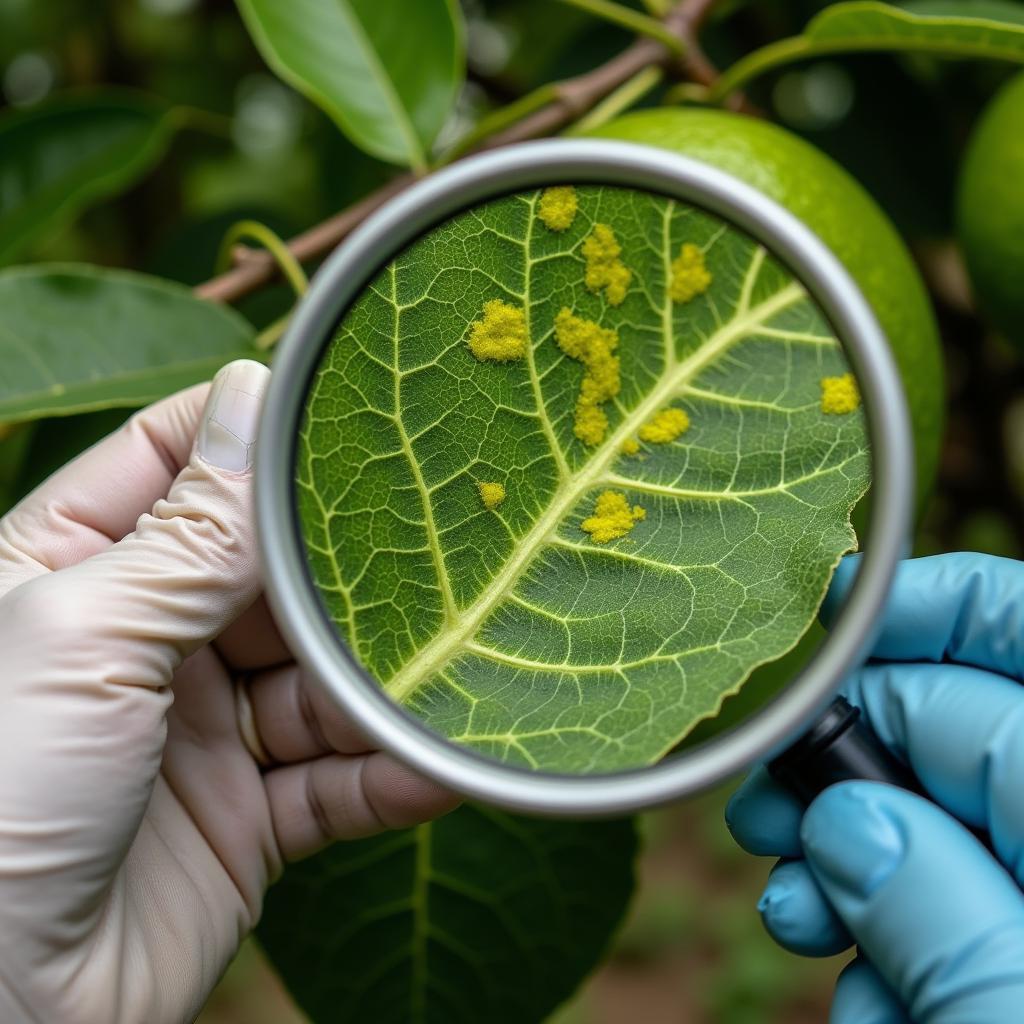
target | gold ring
[{"x": 247, "y": 725}]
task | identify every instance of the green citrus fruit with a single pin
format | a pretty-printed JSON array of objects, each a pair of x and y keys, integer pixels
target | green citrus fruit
[
  {"x": 844, "y": 216},
  {"x": 990, "y": 210}
]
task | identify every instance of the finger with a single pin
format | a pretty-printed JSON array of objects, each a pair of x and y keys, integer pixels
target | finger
[
  {"x": 97, "y": 498},
  {"x": 798, "y": 916},
  {"x": 863, "y": 997},
  {"x": 188, "y": 570},
  {"x": 962, "y": 732},
  {"x": 764, "y": 817},
  {"x": 253, "y": 641},
  {"x": 296, "y": 721},
  {"x": 213, "y": 776},
  {"x": 348, "y": 797},
  {"x": 939, "y": 918},
  {"x": 961, "y": 607}
]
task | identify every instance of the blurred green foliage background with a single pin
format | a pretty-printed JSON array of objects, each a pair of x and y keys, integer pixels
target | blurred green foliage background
[{"x": 693, "y": 949}]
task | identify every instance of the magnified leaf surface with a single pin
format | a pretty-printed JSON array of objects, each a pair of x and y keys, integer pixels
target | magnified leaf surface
[{"x": 629, "y": 574}]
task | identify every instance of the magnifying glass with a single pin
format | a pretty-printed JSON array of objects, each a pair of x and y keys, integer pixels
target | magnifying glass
[{"x": 560, "y": 450}]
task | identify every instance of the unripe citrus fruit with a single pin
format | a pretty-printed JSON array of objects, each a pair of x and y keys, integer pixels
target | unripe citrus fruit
[
  {"x": 843, "y": 215},
  {"x": 990, "y": 210}
]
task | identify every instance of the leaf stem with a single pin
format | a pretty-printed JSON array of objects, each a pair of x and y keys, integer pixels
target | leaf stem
[
  {"x": 783, "y": 51},
  {"x": 686, "y": 92},
  {"x": 634, "y": 21},
  {"x": 272, "y": 242},
  {"x": 272, "y": 333},
  {"x": 504, "y": 117},
  {"x": 208, "y": 122},
  {"x": 623, "y": 98}
]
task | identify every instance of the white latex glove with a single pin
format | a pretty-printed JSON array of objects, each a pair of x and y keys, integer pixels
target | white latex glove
[{"x": 137, "y": 835}]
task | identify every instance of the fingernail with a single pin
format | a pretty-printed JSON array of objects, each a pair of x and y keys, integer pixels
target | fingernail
[
  {"x": 774, "y": 896},
  {"x": 781, "y": 889},
  {"x": 227, "y": 433},
  {"x": 850, "y": 840}
]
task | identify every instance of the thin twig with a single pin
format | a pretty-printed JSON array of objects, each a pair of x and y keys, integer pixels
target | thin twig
[
  {"x": 627, "y": 18},
  {"x": 258, "y": 267},
  {"x": 231, "y": 251},
  {"x": 622, "y": 99},
  {"x": 570, "y": 100}
]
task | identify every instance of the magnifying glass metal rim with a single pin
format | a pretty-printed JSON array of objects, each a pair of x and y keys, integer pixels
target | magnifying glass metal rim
[{"x": 303, "y": 620}]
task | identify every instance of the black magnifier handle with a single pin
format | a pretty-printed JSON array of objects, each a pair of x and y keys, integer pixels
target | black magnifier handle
[{"x": 837, "y": 748}]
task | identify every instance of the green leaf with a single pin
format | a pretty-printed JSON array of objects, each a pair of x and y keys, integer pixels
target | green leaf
[
  {"x": 62, "y": 156},
  {"x": 513, "y": 629},
  {"x": 480, "y": 916},
  {"x": 1011, "y": 11},
  {"x": 387, "y": 73},
  {"x": 865, "y": 26},
  {"x": 75, "y": 338},
  {"x": 15, "y": 442}
]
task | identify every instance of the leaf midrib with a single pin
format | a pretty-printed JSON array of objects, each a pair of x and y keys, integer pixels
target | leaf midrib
[
  {"x": 449, "y": 642},
  {"x": 417, "y": 157}
]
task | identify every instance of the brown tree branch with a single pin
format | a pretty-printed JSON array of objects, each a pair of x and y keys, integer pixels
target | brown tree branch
[{"x": 572, "y": 98}]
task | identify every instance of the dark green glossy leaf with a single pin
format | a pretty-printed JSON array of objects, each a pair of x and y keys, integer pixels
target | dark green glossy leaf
[
  {"x": 75, "y": 338},
  {"x": 517, "y": 630},
  {"x": 969, "y": 31},
  {"x": 480, "y": 916},
  {"x": 388, "y": 73},
  {"x": 69, "y": 152},
  {"x": 994, "y": 10},
  {"x": 15, "y": 442},
  {"x": 865, "y": 26}
]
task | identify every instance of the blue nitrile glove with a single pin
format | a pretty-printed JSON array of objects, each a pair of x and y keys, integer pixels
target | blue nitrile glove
[{"x": 939, "y": 920}]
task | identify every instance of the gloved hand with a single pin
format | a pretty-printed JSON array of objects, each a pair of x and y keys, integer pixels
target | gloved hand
[
  {"x": 938, "y": 919},
  {"x": 137, "y": 836}
]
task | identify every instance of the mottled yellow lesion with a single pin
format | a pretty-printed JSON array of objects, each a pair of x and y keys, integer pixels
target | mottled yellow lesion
[
  {"x": 839, "y": 395},
  {"x": 690, "y": 275},
  {"x": 630, "y": 446},
  {"x": 500, "y": 333},
  {"x": 665, "y": 426},
  {"x": 557, "y": 209},
  {"x": 491, "y": 494},
  {"x": 605, "y": 270},
  {"x": 594, "y": 346},
  {"x": 613, "y": 517}
]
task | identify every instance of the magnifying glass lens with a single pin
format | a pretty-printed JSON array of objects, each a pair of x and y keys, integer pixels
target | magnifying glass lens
[{"x": 574, "y": 465}]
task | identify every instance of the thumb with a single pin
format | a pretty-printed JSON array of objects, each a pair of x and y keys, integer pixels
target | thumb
[
  {"x": 190, "y": 567},
  {"x": 938, "y": 917}
]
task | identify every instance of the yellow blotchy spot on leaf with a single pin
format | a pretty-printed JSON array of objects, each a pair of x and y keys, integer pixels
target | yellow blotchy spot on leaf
[
  {"x": 557, "y": 208},
  {"x": 605, "y": 269},
  {"x": 690, "y": 277},
  {"x": 500, "y": 334},
  {"x": 491, "y": 494},
  {"x": 665, "y": 426},
  {"x": 612, "y": 517},
  {"x": 630, "y": 446},
  {"x": 593, "y": 346},
  {"x": 839, "y": 395}
]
